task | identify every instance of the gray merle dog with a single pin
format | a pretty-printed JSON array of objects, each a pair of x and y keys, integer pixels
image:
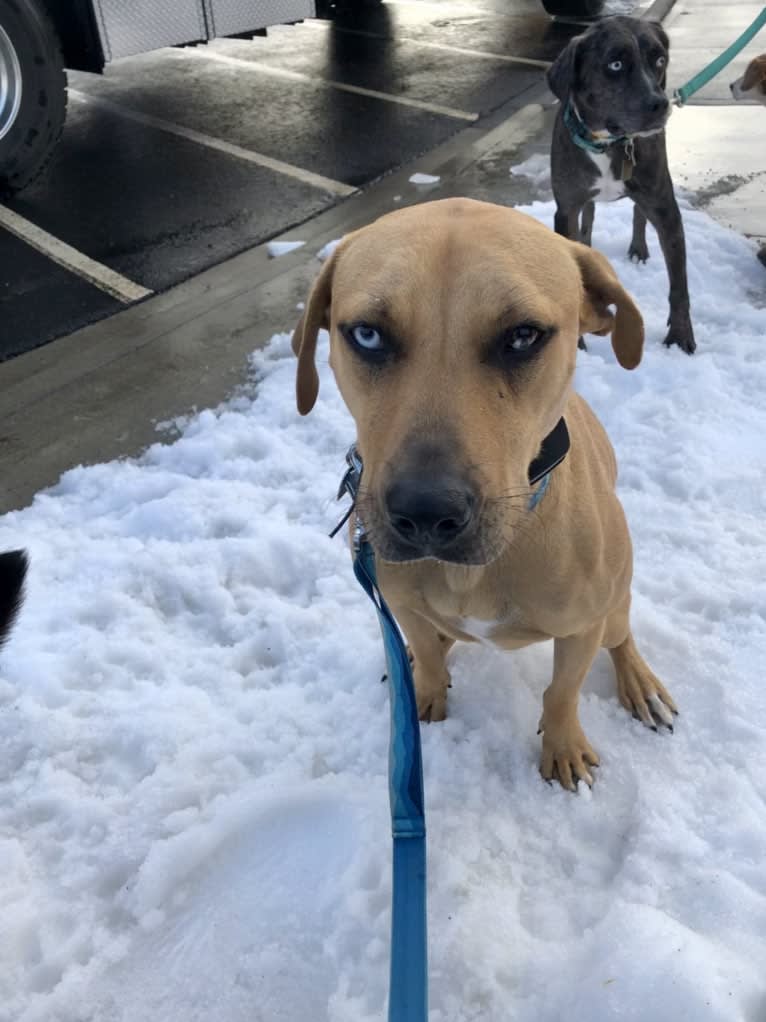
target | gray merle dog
[{"x": 609, "y": 141}]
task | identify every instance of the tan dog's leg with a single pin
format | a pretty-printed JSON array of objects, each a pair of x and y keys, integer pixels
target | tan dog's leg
[
  {"x": 567, "y": 754},
  {"x": 429, "y": 651},
  {"x": 641, "y": 692}
]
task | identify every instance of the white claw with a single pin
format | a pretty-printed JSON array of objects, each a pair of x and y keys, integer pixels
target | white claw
[{"x": 660, "y": 710}]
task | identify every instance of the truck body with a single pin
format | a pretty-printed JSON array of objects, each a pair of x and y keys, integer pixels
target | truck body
[{"x": 40, "y": 38}]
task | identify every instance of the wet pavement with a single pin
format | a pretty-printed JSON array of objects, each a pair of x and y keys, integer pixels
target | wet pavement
[{"x": 158, "y": 176}]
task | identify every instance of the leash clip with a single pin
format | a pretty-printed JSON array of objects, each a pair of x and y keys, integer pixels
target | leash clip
[
  {"x": 628, "y": 159},
  {"x": 352, "y": 477},
  {"x": 349, "y": 484}
]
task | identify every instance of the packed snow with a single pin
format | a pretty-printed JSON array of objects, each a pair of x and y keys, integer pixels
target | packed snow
[
  {"x": 327, "y": 250},
  {"x": 537, "y": 168},
  {"x": 424, "y": 179},
  {"x": 275, "y": 249},
  {"x": 193, "y": 733}
]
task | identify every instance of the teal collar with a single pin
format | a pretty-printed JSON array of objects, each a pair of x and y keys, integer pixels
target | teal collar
[{"x": 582, "y": 136}]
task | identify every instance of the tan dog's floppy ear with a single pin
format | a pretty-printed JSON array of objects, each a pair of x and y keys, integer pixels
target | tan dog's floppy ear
[
  {"x": 315, "y": 316},
  {"x": 560, "y": 75},
  {"x": 601, "y": 288}
]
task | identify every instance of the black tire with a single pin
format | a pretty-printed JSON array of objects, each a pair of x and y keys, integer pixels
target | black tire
[
  {"x": 573, "y": 8},
  {"x": 30, "y": 127}
]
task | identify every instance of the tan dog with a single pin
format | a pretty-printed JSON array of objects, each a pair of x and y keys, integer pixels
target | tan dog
[
  {"x": 454, "y": 329},
  {"x": 752, "y": 84}
]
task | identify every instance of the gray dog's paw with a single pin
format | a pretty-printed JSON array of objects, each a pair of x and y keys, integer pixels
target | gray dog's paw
[
  {"x": 683, "y": 337},
  {"x": 638, "y": 252}
]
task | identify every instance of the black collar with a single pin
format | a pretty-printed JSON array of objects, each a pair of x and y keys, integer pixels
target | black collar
[{"x": 553, "y": 450}]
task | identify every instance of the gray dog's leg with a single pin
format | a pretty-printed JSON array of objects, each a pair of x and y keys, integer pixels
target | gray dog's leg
[
  {"x": 567, "y": 224},
  {"x": 663, "y": 214},
  {"x": 586, "y": 223},
  {"x": 638, "y": 250}
]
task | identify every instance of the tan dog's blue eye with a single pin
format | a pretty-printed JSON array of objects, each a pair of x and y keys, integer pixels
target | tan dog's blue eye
[
  {"x": 616, "y": 65},
  {"x": 523, "y": 337},
  {"x": 366, "y": 337}
]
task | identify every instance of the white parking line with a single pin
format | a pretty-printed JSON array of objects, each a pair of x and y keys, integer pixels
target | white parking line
[
  {"x": 71, "y": 259},
  {"x": 296, "y": 76},
  {"x": 326, "y": 184},
  {"x": 462, "y": 50},
  {"x": 454, "y": 8}
]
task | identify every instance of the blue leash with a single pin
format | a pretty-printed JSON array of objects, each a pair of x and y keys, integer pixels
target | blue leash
[
  {"x": 408, "y": 989},
  {"x": 408, "y": 984}
]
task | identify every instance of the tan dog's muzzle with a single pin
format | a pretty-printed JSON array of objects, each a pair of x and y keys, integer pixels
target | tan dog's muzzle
[{"x": 429, "y": 504}]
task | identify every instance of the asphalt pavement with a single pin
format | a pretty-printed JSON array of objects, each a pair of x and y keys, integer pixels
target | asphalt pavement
[{"x": 174, "y": 161}]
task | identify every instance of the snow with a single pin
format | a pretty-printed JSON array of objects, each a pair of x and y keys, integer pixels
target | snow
[
  {"x": 537, "y": 168},
  {"x": 424, "y": 179},
  {"x": 193, "y": 734},
  {"x": 327, "y": 250},
  {"x": 276, "y": 249}
]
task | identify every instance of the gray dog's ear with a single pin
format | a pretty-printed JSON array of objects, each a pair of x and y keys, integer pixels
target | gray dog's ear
[
  {"x": 560, "y": 74},
  {"x": 661, "y": 36},
  {"x": 601, "y": 288},
  {"x": 314, "y": 317},
  {"x": 660, "y": 33}
]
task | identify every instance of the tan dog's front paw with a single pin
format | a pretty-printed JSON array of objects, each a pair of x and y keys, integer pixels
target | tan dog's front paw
[
  {"x": 431, "y": 696},
  {"x": 432, "y": 706},
  {"x": 644, "y": 695},
  {"x": 567, "y": 754},
  {"x": 640, "y": 690}
]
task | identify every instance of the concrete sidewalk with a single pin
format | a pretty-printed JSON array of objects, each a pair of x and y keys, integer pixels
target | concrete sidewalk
[
  {"x": 100, "y": 393},
  {"x": 716, "y": 146}
]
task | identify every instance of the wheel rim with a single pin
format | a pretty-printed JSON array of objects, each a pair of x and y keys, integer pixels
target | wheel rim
[{"x": 10, "y": 83}]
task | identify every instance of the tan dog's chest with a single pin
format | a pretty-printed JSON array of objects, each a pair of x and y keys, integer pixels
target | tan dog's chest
[{"x": 491, "y": 618}]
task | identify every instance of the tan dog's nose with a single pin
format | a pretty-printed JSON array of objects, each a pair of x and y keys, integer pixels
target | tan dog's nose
[{"x": 429, "y": 514}]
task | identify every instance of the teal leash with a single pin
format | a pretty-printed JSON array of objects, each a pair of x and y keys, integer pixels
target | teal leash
[{"x": 682, "y": 95}]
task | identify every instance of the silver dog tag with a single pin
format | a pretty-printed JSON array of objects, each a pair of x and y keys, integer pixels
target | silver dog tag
[{"x": 628, "y": 161}]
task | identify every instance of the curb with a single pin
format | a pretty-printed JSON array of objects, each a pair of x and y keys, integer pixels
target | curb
[{"x": 658, "y": 10}]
